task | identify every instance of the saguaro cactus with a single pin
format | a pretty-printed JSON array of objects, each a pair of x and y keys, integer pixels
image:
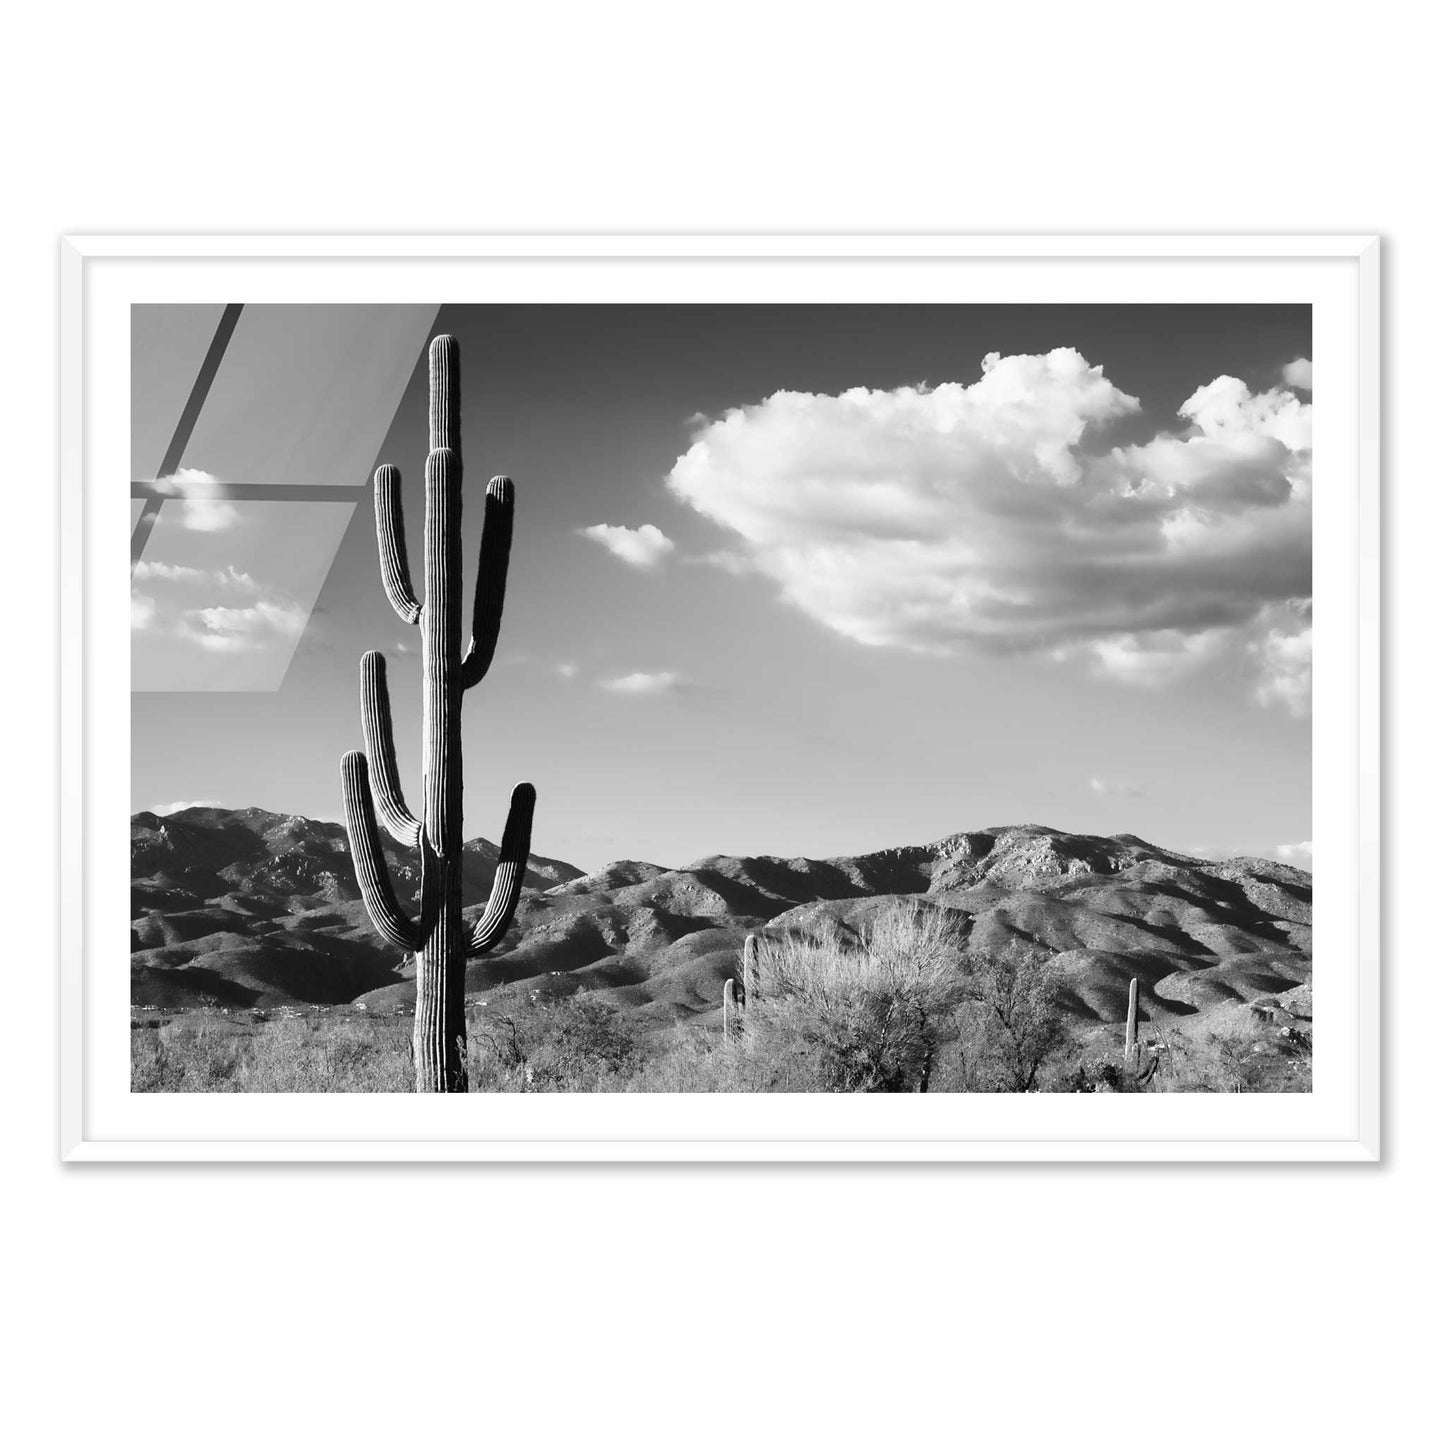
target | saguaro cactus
[
  {"x": 370, "y": 780},
  {"x": 1131, "y": 1025},
  {"x": 734, "y": 1002},
  {"x": 750, "y": 967}
]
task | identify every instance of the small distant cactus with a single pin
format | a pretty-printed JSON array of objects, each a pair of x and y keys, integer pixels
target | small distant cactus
[
  {"x": 733, "y": 1002},
  {"x": 1131, "y": 1025},
  {"x": 1141, "y": 1059}
]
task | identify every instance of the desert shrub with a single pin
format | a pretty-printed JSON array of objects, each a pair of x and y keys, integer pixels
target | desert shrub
[
  {"x": 1102, "y": 1075},
  {"x": 1012, "y": 1037},
  {"x": 864, "y": 1014},
  {"x": 577, "y": 1044},
  {"x": 1246, "y": 1058},
  {"x": 590, "y": 1039}
]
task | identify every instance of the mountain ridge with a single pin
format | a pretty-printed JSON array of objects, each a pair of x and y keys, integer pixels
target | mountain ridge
[{"x": 246, "y": 907}]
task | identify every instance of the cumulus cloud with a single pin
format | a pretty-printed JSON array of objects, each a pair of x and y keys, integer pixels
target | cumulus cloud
[
  {"x": 162, "y": 809},
  {"x": 1105, "y": 789},
  {"x": 1300, "y": 373},
  {"x": 1299, "y": 855},
  {"x": 646, "y": 684},
  {"x": 996, "y": 515},
  {"x": 643, "y": 547}
]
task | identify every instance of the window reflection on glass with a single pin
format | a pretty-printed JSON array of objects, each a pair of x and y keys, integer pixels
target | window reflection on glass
[
  {"x": 304, "y": 394},
  {"x": 266, "y": 422},
  {"x": 167, "y": 346}
]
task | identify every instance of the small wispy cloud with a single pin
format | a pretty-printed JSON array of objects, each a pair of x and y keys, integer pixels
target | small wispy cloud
[
  {"x": 208, "y": 514},
  {"x": 143, "y": 611},
  {"x": 244, "y": 629},
  {"x": 1157, "y": 660},
  {"x": 1106, "y": 789},
  {"x": 646, "y": 684},
  {"x": 195, "y": 513},
  {"x": 735, "y": 564},
  {"x": 164, "y": 809},
  {"x": 246, "y": 615},
  {"x": 642, "y": 547},
  {"x": 230, "y": 578},
  {"x": 566, "y": 670},
  {"x": 1299, "y": 373},
  {"x": 1284, "y": 655},
  {"x": 1298, "y": 855}
]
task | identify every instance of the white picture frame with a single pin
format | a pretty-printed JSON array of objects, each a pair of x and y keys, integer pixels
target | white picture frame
[{"x": 1339, "y": 1120}]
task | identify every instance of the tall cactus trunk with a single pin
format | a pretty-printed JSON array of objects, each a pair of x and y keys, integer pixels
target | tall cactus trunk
[
  {"x": 439, "y": 1030},
  {"x": 439, "y": 938},
  {"x": 439, "y": 1034}
]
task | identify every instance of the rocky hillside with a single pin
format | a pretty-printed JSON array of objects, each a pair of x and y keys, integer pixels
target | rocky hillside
[
  {"x": 246, "y": 906},
  {"x": 251, "y": 907}
]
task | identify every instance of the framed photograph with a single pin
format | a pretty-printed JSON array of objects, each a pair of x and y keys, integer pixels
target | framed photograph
[{"x": 720, "y": 698}]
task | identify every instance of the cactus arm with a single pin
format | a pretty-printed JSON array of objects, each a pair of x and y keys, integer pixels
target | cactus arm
[
  {"x": 491, "y": 590},
  {"x": 391, "y": 546},
  {"x": 371, "y": 873},
  {"x": 730, "y": 1008},
  {"x": 511, "y": 869},
  {"x": 381, "y": 752},
  {"x": 750, "y": 968}
]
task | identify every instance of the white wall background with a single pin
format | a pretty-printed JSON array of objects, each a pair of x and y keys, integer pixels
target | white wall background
[{"x": 700, "y": 1304}]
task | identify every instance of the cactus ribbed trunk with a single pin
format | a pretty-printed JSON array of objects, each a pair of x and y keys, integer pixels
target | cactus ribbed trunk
[
  {"x": 439, "y": 1033},
  {"x": 439, "y": 938}
]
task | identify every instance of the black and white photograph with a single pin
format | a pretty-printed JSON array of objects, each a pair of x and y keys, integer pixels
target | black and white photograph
[
  {"x": 722, "y": 698},
  {"x": 720, "y": 722}
]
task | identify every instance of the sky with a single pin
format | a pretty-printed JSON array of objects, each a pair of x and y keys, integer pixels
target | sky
[{"x": 796, "y": 580}]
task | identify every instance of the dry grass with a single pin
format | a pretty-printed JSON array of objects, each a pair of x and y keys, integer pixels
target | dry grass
[
  {"x": 898, "y": 1008},
  {"x": 328, "y": 1053}
]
